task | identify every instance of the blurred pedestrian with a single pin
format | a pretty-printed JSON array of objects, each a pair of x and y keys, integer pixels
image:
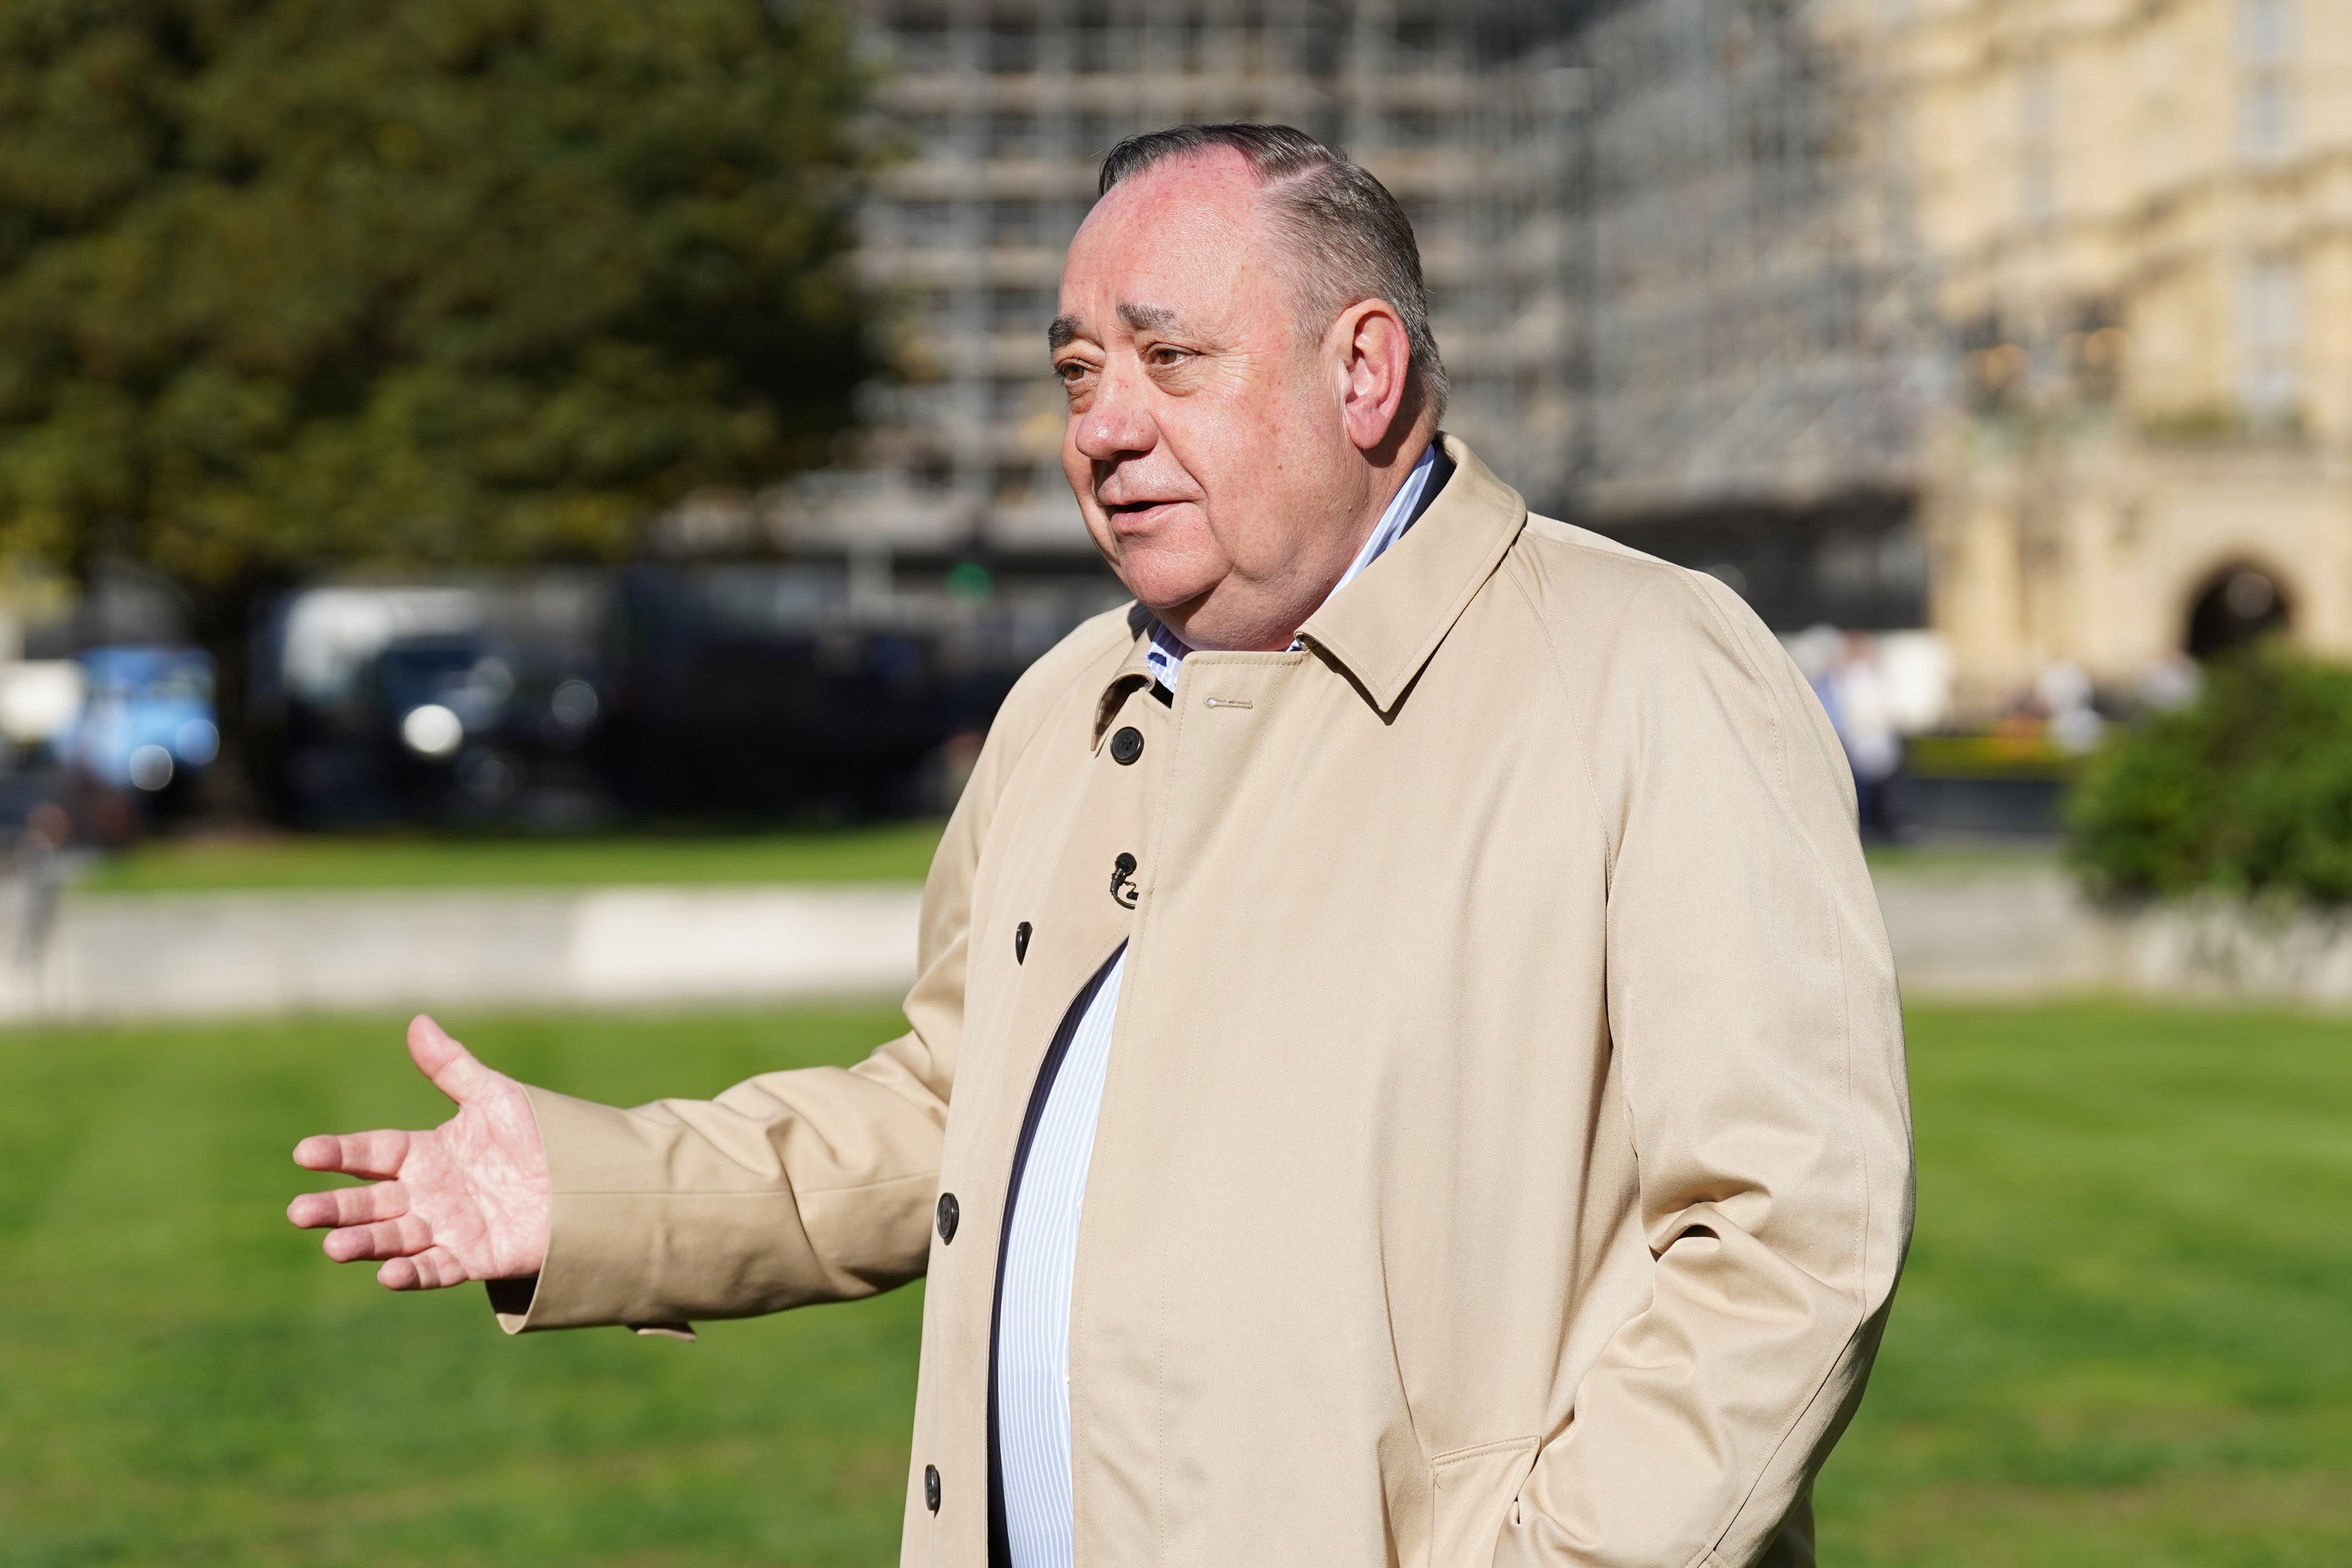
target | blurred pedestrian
[
  {"x": 40, "y": 867},
  {"x": 1860, "y": 707},
  {"x": 2065, "y": 694},
  {"x": 1406, "y": 1066}
]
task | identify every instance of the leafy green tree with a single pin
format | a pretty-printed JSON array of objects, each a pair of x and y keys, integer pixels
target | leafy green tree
[
  {"x": 2248, "y": 791},
  {"x": 293, "y": 283}
]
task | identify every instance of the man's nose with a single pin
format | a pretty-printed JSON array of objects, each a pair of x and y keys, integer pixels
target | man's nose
[{"x": 1116, "y": 422}]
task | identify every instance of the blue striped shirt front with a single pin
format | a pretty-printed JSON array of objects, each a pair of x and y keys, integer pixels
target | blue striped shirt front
[
  {"x": 1033, "y": 1323},
  {"x": 1041, "y": 1244}
]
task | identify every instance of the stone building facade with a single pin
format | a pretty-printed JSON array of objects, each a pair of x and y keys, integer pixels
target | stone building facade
[{"x": 2139, "y": 215}]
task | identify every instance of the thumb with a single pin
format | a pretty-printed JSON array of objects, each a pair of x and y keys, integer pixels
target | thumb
[{"x": 453, "y": 1070}]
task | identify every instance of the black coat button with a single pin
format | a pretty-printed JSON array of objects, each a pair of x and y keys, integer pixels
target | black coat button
[
  {"x": 1126, "y": 746},
  {"x": 1021, "y": 942},
  {"x": 931, "y": 1487},
  {"x": 948, "y": 1214}
]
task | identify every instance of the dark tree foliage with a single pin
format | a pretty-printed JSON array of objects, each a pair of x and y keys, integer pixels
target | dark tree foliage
[
  {"x": 2248, "y": 791},
  {"x": 285, "y": 283}
]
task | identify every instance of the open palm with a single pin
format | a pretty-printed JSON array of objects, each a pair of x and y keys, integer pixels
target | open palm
[{"x": 468, "y": 1200}]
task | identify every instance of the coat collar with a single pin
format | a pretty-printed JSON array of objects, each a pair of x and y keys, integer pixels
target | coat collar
[
  {"x": 1391, "y": 620},
  {"x": 1133, "y": 673}
]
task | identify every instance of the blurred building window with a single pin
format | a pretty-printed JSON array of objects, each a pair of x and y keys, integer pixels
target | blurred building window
[
  {"x": 2270, "y": 334},
  {"x": 1098, "y": 49},
  {"x": 1021, "y": 310},
  {"x": 922, "y": 47},
  {"x": 2266, "y": 82},
  {"x": 2266, "y": 30},
  {"x": 1012, "y": 136},
  {"x": 1417, "y": 45},
  {"x": 1012, "y": 401},
  {"x": 927, "y": 223},
  {"x": 1013, "y": 224},
  {"x": 1011, "y": 49},
  {"x": 1417, "y": 128},
  {"x": 1098, "y": 133},
  {"x": 2038, "y": 143},
  {"x": 1185, "y": 40}
]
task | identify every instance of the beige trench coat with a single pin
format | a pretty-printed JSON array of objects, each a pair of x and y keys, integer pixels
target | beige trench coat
[{"x": 1505, "y": 1154}]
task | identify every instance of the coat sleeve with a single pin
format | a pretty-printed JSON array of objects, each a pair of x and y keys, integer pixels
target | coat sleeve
[
  {"x": 1758, "y": 1034},
  {"x": 792, "y": 1187}
]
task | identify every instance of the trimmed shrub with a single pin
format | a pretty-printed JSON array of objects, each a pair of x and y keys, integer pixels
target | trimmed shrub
[{"x": 2247, "y": 791}]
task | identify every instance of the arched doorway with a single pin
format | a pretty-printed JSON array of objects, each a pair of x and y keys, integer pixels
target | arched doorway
[{"x": 2239, "y": 605}]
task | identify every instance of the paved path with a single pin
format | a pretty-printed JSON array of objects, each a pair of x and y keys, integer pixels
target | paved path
[
  {"x": 189, "y": 954},
  {"x": 2006, "y": 931}
]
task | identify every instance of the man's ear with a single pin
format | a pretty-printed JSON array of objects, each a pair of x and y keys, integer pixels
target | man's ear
[{"x": 1376, "y": 363}]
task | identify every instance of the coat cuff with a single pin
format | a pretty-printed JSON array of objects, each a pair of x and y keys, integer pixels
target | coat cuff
[{"x": 599, "y": 1243}]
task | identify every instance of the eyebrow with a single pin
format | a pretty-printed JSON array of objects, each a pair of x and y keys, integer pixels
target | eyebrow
[
  {"x": 1147, "y": 318},
  {"x": 1134, "y": 318}
]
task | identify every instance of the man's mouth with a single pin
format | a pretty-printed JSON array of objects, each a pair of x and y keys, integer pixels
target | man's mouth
[{"x": 1134, "y": 512}]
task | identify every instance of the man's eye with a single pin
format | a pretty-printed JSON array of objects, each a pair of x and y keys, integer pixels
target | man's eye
[{"x": 1165, "y": 355}]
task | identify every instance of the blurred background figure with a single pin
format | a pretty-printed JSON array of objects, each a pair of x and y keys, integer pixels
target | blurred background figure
[
  {"x": 1859, "y": 705},
  {"x": 2065, "y": 694}
]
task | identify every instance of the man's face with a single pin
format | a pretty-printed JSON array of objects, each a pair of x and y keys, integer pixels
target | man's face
[{"x": 1205, "y": 443}]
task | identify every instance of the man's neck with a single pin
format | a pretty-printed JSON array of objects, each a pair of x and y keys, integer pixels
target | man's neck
[{"x": 1388, "y": 481}]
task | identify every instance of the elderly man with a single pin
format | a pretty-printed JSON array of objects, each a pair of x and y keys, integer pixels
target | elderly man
[{"x": 1406, "y": 1066}]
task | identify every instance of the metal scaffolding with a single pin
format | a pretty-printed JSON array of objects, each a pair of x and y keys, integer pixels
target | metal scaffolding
[
  {"x": 1004, "y": 111},
  {"x": 1745, "y": 290},
  {"x": 1659, "y": 253}
]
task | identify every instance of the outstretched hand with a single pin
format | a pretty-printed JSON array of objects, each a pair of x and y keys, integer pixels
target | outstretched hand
[{"x": 468, "y": 1200}]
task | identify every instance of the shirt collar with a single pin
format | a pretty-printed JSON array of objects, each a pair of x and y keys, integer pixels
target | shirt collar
[{"x": 1165, "y": 656}]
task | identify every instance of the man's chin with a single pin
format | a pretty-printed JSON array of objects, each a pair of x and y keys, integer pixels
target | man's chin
[
  {"x": 1165, "y": 588},
  {"x": 1210, "y": 623}
]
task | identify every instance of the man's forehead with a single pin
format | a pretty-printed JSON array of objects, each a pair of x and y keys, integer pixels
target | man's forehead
[
  {"x": 1214, "y": 182},
  {"x": 1173, "y": 247}
]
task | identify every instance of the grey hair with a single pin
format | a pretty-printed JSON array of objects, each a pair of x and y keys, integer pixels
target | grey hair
[{"x": 1355, "y": 240}]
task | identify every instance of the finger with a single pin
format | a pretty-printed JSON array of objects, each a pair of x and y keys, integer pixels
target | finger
[
  {"x": 349, "y": 1206},
  {"x": 455, "y": 1071},
  {"x": 431, "y": 1269},
  {"x": 384, "y": 1239},
  {"x": 374, "y": 1154}
]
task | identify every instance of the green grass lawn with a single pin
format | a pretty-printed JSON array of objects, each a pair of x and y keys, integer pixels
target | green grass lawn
[
  {"x": 897, "y": 852},
  {"x": 1965, "y": 857},
  {"x": 2125, "y": 1337}
]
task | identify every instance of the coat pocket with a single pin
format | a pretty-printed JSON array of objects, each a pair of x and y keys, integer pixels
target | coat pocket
[{"x": 1472, "y": 1493}]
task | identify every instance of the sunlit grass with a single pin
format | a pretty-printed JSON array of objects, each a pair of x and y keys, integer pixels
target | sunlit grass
[
  {"x": 188, "y": 1382},
  {"x": 898, "y": 852},
  {"x": 2123, "y": 1339}
]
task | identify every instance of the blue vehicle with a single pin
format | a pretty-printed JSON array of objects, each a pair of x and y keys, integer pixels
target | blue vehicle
[{"x": 147, "y": 723}]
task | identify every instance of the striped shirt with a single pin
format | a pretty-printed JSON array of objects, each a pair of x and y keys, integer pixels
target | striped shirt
[{"x": 1041, "y": 1241}]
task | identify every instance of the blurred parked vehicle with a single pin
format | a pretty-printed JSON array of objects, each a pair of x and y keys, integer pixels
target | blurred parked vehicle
[
  {"x": 465, "y": 725},
  {"x": 146, "y": 729},
  {"x": 739, "y": 691}
]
